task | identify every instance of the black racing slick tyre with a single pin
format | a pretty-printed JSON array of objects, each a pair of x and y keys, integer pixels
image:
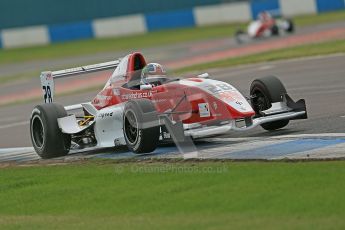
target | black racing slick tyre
[
  {"x": 46, "y": 136},
  {"x": 265, "y": 91},
  {"x": 238, "y": 36},
  {"x": 275, "y": 30},
  {"x": 140, "y": 126}
]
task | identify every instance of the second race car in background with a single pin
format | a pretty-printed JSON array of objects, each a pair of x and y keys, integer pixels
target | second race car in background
[{"x": 265, "y": 26}]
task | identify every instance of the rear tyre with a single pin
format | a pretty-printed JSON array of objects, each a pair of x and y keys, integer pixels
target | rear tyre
[
  {"x": 265, "y": 91},
  {"x": 238, "y": 36},
  {"x": 46, "y": 136},
  {"x": 140, "y": 126}
]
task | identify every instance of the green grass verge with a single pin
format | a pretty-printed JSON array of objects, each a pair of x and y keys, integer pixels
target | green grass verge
[
  {"x": 133, "y": 42},
  {"x": 280, "y": 54},
  {"x": 270, "y": 195}
]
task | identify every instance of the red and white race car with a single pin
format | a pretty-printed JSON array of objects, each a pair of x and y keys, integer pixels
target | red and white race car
[
  {"x": 140, "y": 106},
  {"x": 265, "y": 26}
]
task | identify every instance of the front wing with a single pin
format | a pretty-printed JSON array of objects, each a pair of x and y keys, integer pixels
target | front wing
[{"x": 285, "y": 110}]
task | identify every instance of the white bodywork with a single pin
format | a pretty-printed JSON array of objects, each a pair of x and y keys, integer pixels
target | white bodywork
[
  {"x": 223, "y": 91},
  {"x": 107, "y": 123},
  {"x": 108, "y": 126},
  {"x": 253, "y": 28},
  {"x": 231, "y": 125}
]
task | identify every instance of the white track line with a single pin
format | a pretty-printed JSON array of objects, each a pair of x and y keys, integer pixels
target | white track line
[
  {"x": 7, "y": 119},
  {"x": 19, "y": 149},
  {"x": 20, "y": 157},
  {"x": 12, "y": 153},
  {"x": 14, "y": 124}
]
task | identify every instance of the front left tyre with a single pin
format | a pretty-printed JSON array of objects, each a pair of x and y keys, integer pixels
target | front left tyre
[
  {"x": 265, "y": 91},
  {"x": 46, "y": 136}
]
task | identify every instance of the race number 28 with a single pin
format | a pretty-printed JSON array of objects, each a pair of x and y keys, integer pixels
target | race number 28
[
  {"x": 47, "y": 94},
  {"x": 219, "y": 88}
]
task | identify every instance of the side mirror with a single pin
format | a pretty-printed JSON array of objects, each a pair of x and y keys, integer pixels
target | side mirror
[{"x": 145, "y": 87}]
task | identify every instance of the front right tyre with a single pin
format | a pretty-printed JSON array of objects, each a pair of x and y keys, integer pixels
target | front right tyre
[
  {"x": 275, "y": 30},
  {"x": 140, "y": 126},
  {"x": 46, "y": 136}
]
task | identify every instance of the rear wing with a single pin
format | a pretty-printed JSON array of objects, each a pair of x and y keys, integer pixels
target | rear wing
[{"x": 47, "y": 77}]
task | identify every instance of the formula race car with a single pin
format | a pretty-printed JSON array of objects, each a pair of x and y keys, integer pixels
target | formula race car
[
  {"x": 265, "y": 26},
  {"x": 140, "y": 106}
]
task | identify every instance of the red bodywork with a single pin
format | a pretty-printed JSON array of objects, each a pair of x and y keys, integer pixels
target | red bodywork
[
  {"x": 265, "y": 25},
  {"x": 183, "y": 99}
]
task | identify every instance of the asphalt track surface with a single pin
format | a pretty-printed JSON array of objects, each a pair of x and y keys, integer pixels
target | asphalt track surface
[{"x": 319, "y": 80}]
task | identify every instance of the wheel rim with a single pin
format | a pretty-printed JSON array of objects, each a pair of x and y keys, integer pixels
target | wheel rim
[
  {"x": 37, "y": 132},
  {"x": 131, "y": 127},
  {"x": 261, "y": 102}
]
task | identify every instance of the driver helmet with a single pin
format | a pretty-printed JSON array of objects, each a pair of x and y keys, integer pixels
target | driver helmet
[
  {"x": 265, "y": 16},
  {"x": 152, "y": 70}
]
